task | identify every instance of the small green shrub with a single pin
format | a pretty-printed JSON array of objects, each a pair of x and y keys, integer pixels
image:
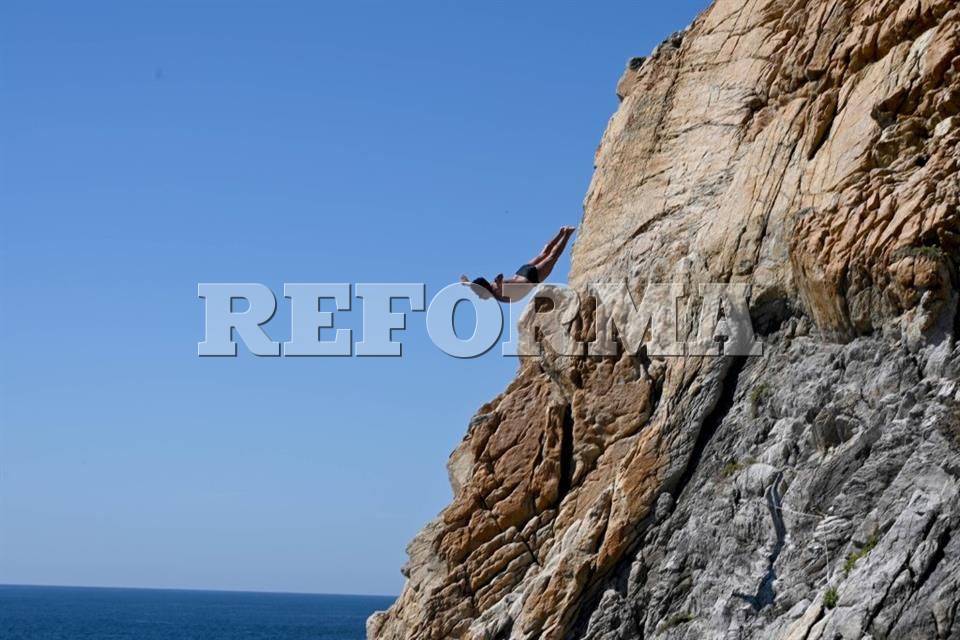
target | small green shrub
[
  {"x": 734, "y": 467},
  {"x": 930, "y": 252},
  {"x": 849, "y": 564},
  {"x": 830, "y": 598},
  {"x": 934, "y": 253},
  {"x": 731, "y": 468},
  {"x": 852, "y": 559},
  {"x": 760, "y": 393},
  {"x": 678, "y": 619}
]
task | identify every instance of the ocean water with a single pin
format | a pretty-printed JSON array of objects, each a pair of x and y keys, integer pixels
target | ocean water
[{"x": 69, "y": 613}]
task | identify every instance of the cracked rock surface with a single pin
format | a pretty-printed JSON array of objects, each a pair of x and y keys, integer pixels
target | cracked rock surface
[{"x": 808, "y": 148}]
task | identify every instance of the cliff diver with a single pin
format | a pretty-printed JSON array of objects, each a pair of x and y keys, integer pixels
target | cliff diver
[{"x": 531, "y": 273}]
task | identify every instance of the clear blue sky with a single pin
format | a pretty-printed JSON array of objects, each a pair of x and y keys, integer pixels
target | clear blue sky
[{"x": 146, "y": 147}]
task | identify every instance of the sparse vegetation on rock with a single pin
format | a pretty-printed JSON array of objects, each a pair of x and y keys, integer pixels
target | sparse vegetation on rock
[
  {"x": 830, "y": 598},
  {"x": 862, "y": 552}
]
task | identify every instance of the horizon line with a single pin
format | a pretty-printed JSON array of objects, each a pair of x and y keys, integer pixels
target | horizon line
[{"x": 199, "y": 590}]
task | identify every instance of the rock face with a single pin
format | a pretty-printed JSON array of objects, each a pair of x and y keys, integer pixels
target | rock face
[{"x": 808, "y": 148}]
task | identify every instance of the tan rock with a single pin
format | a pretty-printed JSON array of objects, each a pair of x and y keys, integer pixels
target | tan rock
[{"x": 808, "y": 147}]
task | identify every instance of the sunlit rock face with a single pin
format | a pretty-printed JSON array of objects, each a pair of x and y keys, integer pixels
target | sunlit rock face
[{"x": 808, "y": 148}]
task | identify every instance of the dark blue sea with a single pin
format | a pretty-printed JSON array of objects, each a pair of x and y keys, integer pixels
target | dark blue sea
[{"x": 69, "y": 613}]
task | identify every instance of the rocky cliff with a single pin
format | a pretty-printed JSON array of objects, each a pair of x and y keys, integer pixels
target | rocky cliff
[{"x": 808, "y": 148}]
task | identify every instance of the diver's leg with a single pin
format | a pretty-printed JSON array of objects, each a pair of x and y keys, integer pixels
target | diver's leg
[
  {"x": 549, "y": 247},
  {"x": 546, "y": 263}
]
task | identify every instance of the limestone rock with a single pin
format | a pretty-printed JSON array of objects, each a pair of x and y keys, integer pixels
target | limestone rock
[{"x": 808, "y": 148}]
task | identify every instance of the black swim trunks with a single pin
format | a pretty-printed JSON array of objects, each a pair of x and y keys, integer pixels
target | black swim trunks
[{"x": 529, "y": 272}]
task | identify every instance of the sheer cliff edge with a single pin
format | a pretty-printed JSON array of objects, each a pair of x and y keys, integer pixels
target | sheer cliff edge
[{"x": 808, "y": 148}]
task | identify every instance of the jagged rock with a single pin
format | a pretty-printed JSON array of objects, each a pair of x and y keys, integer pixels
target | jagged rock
[{"x": 808, "y": 148}]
